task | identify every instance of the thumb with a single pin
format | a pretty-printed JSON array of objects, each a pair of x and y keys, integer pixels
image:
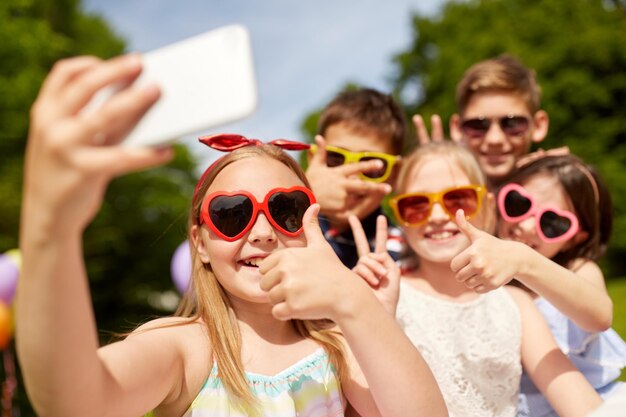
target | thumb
[
  {"x": 466, "y": 227},
  {"x": 311, "y": 226},
  {"x": 319, "y": 157}
]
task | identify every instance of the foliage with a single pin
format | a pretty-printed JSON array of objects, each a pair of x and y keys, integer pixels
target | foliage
[
  {"x": 578, "y": 51},
  {"x": 129, "y": 246}
]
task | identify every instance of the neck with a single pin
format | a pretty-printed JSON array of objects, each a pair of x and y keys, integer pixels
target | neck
[
  {"x": 258, "y": 322},
  {"x": 442, "y": 280}
]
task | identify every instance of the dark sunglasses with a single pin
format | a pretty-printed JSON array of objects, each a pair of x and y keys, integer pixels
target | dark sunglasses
[
  {"x": 414, "y": 209},
  {"x": 553, "y": 225},
  {"x": 511, "y": 125},
  {"x": 230, "y": 215}
]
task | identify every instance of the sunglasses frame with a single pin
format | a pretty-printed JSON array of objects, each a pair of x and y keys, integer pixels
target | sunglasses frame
[
  {"x": 262, "y": 207},
  {"x": 350, "y": 157},
  {"x": 436, "y": 198},
  {"x": 500, "y": 121},
  {"x": 537, "y": 212}
]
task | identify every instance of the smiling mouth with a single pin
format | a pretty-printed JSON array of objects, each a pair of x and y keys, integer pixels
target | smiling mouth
[
  {"x": 253, "y": 262},
  {"x": 442, "y": 235}
]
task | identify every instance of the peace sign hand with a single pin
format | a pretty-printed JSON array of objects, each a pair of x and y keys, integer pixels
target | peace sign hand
[
  {"x": 377, "y": 268},
  {"x": 488, "y": 263}
]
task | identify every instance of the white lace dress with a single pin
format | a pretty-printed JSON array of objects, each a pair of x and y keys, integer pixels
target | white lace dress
[{"x": 473, "y": 348}]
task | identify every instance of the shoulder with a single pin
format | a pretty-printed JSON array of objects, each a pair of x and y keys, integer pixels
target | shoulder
[{"x": 522, "y": 299}]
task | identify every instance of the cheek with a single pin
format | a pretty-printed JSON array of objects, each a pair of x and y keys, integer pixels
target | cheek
[
  {"x": 292, "y": 242},
  {"x": 550, "y": 250}
]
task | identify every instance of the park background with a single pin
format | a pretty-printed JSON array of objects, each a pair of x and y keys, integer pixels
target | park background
[{"x": 577, "y": 47}]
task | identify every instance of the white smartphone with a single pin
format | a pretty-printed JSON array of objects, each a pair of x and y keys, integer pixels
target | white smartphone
[{"x": 205, "y": 81}]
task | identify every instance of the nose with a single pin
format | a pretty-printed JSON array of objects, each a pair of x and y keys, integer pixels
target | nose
[
  {"x": 262, "y": 230},
  {"x": 438, "y": 214},
  {"x": 527, "y": 227},
  {"x": 494, "y": 136}
]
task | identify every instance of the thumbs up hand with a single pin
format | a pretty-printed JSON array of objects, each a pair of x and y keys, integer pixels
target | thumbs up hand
[
  {"x": 308, "y": 282},
  {"x": 377, "y": 268},
  {"x": 488, "y": 263}
]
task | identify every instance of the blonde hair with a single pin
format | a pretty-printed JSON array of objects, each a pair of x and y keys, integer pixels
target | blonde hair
[
  {"x": 502, "y": 74},
  {"x": 207, "y": 300},
  {"x": 455, "y": 153}
]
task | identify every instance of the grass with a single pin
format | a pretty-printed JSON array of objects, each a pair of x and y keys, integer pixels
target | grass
[{"x": 617, "y": 291}]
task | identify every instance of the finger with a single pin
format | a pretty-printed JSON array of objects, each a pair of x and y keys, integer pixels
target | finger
[
  {"x": 481, "y": 289},
  {"x": 119, "y": 116},
  {"x": 276, "y": 295},
  {"x": 269, "y": 263},
  {"x": 420, "y": 130},
  {"x": 311, "y": 226},
  {"x": 319, "y": 157},
  {"x": 360, "y": 167},
  {"x": 472, "y": 282},
  {"x": 367, "y": 274},
  {"x": 64, "y": 71},
  {"x": 282, "y": 312},
  {"x": 358, "y": 186},
  {"x": 374, "y": 265},
  {"x": 360, "y": 239},
  {"x": 461, "y": 260},
  {"x": 466, "y": 227},
  {"x": 381, "y": 234},
  {"x": 465, "y": 273},
  {"x": 437, "y": 128},
  {"x": 122, "y": 69}
]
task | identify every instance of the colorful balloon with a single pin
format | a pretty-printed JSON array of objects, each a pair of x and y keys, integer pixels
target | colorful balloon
[
  {"x": 180, "y": 267},
  {"x": 9, "y": 273},
  {"x": 6, "y": 326}
]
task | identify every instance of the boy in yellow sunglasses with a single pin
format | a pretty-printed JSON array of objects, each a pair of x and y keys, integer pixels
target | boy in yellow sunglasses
[{"x": 353, "y": 165}]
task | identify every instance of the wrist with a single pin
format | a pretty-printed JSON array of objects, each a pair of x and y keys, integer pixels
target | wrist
[{"x": 353, "y": 299}]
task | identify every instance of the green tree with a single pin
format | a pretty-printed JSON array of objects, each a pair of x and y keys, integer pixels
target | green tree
[
  {"x": 129, "y": 246},
  {"x": 578, "y": 49}
]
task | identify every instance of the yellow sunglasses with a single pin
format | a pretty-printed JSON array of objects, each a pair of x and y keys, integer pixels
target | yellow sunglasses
[
  {"x": 413, "y": 209},
  {"x": 337, "y": 156}
]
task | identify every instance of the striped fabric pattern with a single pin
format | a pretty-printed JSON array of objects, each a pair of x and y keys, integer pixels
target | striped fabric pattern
[{"x": 308, "y": 388}]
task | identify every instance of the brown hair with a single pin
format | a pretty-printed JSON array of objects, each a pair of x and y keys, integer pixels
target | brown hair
[
  {"x": 591, "y": 202},
  {"x": 502, "y": 74},
  {"x": 207, "y": 299},
  {"x": 367, "y": 111}
]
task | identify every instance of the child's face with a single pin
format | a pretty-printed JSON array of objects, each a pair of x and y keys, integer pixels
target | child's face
[
  {"x": 235, "y": 263},
  {"x": 504, "y": 142},
  {"x": 438, "y": 239},
  {"x": 545, "y": 190},
  {"x": 361, "y": 205}
]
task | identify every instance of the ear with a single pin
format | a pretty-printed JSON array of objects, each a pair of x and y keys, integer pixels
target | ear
[
  {"x": 541, "y": 123},
  {"x": 198, "y": 239},
  {"x": 455, "y": 128}
]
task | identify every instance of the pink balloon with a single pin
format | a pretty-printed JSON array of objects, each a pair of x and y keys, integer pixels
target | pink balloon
[
  {"x": 9, "y": 273},
  {"x": 180, "y": 267}
]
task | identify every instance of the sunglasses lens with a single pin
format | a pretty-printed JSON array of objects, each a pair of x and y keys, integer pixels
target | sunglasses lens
[
  {"x": 552, "y": 225},
  {"x": 376, "y": 173},
  {"x": 287, "y": 209},
  {"x": 514, "y": 125},
  {"x": 475, "y": 128},
  {"x": 334, "y": 159},
  {"x": 515, "y": 204},
  {"x": 414, "y": 209},
  {"x": 464, "y": 198},
  {"x": 231, "y": 214}
]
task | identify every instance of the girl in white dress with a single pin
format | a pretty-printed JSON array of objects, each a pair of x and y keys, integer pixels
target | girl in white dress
[{"x": 476, "y": 344}]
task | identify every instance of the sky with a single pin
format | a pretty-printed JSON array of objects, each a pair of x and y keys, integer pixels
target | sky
[{"x": 304, "y": 51}]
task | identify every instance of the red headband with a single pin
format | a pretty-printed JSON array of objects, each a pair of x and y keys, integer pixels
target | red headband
[{"x": 228, "y": 142}]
